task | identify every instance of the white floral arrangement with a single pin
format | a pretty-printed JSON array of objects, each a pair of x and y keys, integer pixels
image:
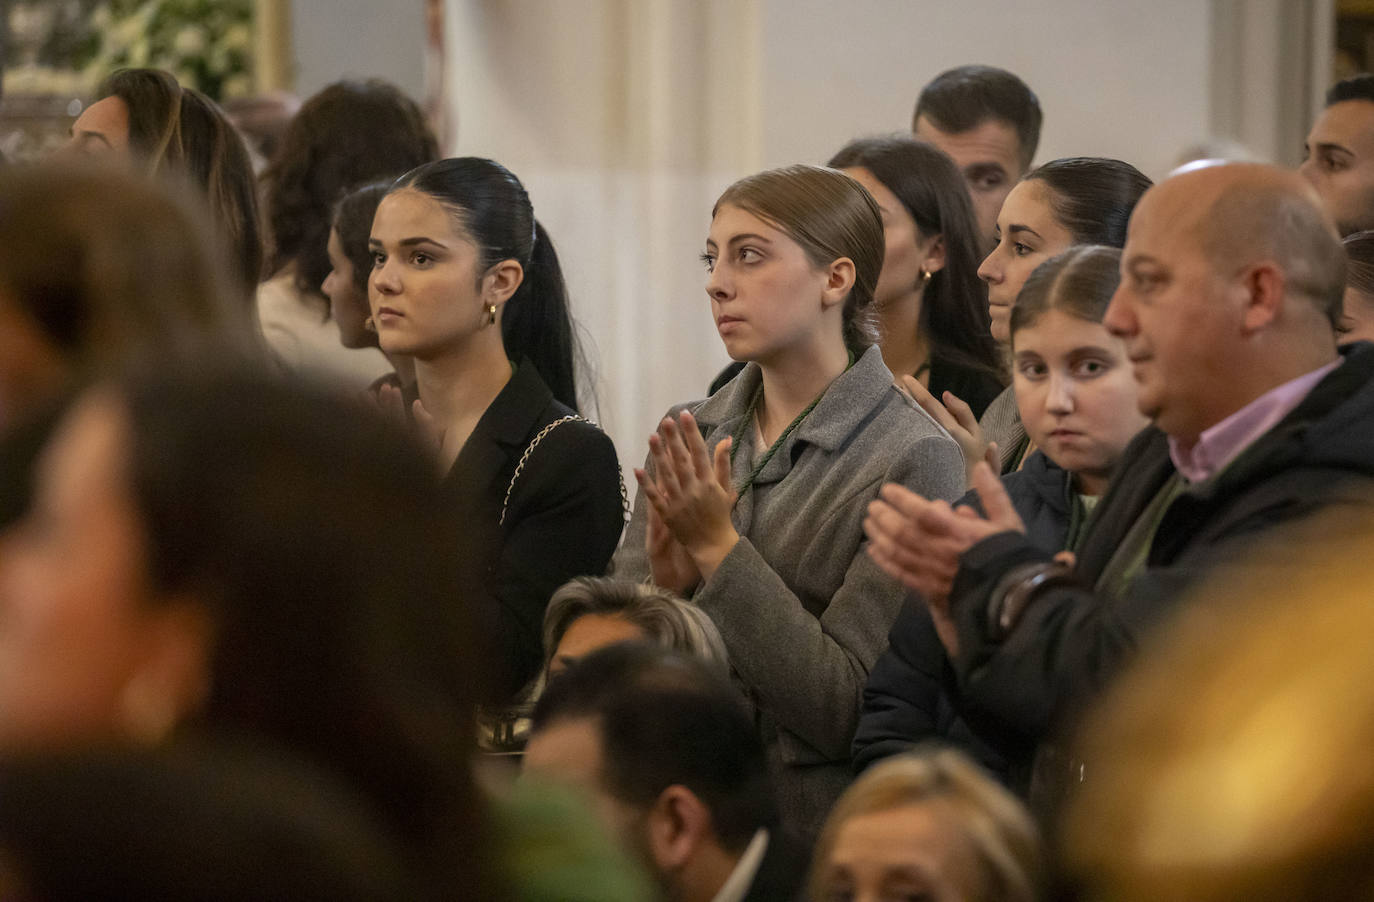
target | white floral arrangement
[{"x": 206, "y": 44}]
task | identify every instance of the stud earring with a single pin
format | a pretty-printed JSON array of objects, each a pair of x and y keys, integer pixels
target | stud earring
[
  {"x": 491, "y": 314},
  {"x": 369, "y": 325},
  {"x": 925, "y": 276}
]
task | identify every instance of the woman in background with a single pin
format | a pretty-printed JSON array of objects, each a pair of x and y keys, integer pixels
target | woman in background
[
  {"x": 350, "y": 133},
  {"x": 1358, "y": 321},
  {"x": 1078, "y": 200},
  {"x": 145, "y": 117},
  {"x": 350, "y": 265},
  {"x": 931, "y": 305}
]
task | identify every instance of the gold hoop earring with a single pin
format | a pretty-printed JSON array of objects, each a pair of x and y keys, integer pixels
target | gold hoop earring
[{"x": 491, "y": 314}]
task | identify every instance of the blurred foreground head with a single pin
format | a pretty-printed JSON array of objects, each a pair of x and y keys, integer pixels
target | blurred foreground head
[
  {"x": 927, "y": 825},
  {"x": 1233, "y": 763},
  {"x": 215, "y": 552},
  {"x": 101, "y": 270},
  {"x": 147, "y": 120}
]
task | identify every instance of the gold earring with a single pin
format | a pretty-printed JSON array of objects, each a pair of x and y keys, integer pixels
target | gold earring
[
  {"x": 925, "y": 276},
  {"x": 369, "y": 325},
  {"x": 491, "y": 314}
]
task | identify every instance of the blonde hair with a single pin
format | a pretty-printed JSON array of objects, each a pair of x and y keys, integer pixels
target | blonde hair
[
  {"x": 1003, "y": 837},
  {"x": 1232, "y": 762},
  {"x": 831, "y": 216}
]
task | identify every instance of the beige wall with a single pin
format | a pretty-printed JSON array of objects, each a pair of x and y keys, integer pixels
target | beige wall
[{"x": 626, "y": 118}]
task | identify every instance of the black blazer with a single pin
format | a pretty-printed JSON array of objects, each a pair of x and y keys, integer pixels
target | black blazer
[{"x": 563, "y": 519}]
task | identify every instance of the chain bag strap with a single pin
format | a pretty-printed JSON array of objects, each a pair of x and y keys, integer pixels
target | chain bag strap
[{"x": 534, "y": 443}]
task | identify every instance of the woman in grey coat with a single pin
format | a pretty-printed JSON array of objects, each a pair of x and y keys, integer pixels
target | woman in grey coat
[{"x": 752, "y": 502}]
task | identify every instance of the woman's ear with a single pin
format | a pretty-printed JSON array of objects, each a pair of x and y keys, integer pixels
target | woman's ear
[
  {"x": 839, "y": 281},
  {"x": 934, "y": 260},
  {"x": 501, "y": 281}
]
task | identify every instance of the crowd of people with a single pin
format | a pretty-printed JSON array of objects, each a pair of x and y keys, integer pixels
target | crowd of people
[{"x": 1017, "y": 556}]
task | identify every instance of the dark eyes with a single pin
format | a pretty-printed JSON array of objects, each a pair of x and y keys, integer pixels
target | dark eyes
[
  {"x": 1090, "y": 368},
  {"x": 743, "y": 255},
  {"x": 1022, "y": 250}
]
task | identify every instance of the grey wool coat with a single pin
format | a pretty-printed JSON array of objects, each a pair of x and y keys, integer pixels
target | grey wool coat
[{"x": 802, "y": 608}]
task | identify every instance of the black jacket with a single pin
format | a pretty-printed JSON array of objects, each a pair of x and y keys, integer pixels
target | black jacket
[
  {"x": 1070, "y": 640},
  {"x": 910, "y": 697},
  {"x": 563, "y": 519}
]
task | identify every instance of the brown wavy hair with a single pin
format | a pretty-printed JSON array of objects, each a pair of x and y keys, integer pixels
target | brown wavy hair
[{"x": 349, "y": 133}]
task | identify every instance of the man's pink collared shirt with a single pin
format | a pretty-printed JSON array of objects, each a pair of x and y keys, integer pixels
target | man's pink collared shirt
[{"x": 1222, "y": 443}]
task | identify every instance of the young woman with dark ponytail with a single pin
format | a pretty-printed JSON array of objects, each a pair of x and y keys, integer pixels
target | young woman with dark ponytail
[{"x": 466, "y": 282}]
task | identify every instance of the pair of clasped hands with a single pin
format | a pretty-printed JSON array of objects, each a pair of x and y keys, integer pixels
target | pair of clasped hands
[
  {"x": 917, "y": 541},
  {"x": 690, "y": 496}
]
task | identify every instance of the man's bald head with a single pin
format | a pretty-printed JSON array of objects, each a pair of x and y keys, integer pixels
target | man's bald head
[
  {"x": 1232, "y": 278},
  {"x": 1245, "y": 213}
]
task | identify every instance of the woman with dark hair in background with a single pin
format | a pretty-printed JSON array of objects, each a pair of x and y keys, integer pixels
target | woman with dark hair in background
[
  {"x": 931, "y": 305},
  {"x": 350, "y": 133},
  {"x": 1077, "y": 200},
  {"x": 1357, "y": 323},
  {"x": 101, "y": 270},
  {"x": 752, "y": 503},
  {"x": 350, "y": 262},
  {"x": 467, "y": 283},
  {"x": 191, "y": 576},
  {"x": 171, "y": 131}
]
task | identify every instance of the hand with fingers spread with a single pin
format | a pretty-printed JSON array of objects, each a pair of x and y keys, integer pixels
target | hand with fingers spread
[
  {"x": 691, "y": 491},
  {"x": 918, "y": 542},
  {"x": 958, "y": 420}
]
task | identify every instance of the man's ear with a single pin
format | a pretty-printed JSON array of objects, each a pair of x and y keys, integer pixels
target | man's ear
[
  {"x": 678, "y": 823},
  {"x": 839, "y": 280},
  {"x": 1265, "y": 285},
  {"x": 501, "y": 281}
]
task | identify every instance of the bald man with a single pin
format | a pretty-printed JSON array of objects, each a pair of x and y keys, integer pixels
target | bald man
[{"x": 1232, "y": 279}]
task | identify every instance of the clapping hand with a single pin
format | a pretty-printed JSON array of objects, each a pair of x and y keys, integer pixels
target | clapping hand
[{"x": 691, "y": 494}]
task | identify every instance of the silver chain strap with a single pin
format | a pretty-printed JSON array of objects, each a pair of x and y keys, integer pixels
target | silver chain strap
[{"x": 534, "y": 443}]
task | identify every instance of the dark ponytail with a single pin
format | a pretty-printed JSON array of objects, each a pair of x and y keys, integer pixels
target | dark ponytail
[
  {"x": 536, "y": 322},
  {"x": 493, "y": 209}
]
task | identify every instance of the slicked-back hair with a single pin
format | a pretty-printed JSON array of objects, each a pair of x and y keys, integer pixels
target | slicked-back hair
[
  {"x": 664, "y": 719},
  {"x": 1092, "y": 197},
  {"x": 1080, "y": 282},
  {"x": 963, "y": 98},
  {"x": 1359, "y": 257},
  {"x": 1356, "y": 87},
  {"x": 490, "y": 206},
  {"x": 831, "y": 216}
]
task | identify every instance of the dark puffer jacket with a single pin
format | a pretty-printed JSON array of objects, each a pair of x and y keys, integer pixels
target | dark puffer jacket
[
  {"x": 910, "y": 697},
  {"x": 1072, "y": 640}
]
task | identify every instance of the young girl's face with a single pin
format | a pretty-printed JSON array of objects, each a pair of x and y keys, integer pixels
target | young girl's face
[
  {"x": 1076, "y": 394},
  {"x": 767, "y": 296}
]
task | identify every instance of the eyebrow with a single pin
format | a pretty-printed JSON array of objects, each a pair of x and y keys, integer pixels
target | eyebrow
[
  {"x": 1022, "y": 229},
  {"x": 976, "y": 169},
  {"x": 85, "y": 133},
  {"x": 736, "y": 239},
  {"x": 1330, "y": 145},
  {"x": 409, "y": 242}
]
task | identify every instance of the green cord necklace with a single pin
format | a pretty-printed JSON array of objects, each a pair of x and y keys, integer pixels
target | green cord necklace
[{"x": 773, "y": 448}]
